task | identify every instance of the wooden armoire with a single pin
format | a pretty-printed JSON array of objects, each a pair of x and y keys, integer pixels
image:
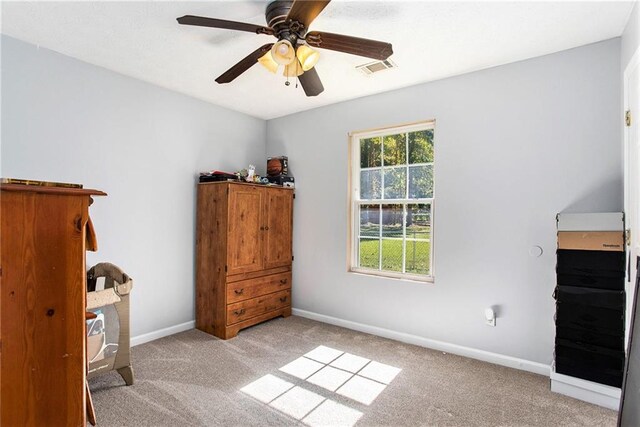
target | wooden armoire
[
  {"x": 45, "y": 232},
  {"x": 243, "y": 255}
]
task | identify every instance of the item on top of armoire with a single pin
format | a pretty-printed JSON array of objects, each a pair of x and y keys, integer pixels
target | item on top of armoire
[
  {"x": 243, "y": 256},
  {"x": 278, "y": 166},
  {"x": 108, "y": 339},
  {"x": 216, "y": 175},
  {"x": 42, "y": 304},
  {"x": 284, "y": 180},
  {"x": 590, "y": 297},
  {"x": 38, "y": 183}
]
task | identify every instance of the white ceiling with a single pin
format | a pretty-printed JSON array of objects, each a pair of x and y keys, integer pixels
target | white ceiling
[{"x": 431, "y": 40}]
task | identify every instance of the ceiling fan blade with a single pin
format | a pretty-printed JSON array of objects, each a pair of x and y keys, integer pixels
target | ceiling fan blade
[
  {"x": 305, "y": 11},
  {"x": 347, "y": 44},
  {"x": 311, "y": 83},
  {"x": 201, "y": 21},
  {"x": 244, "y": 64}
]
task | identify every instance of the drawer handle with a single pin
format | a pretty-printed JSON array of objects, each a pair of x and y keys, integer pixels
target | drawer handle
[
  {"x": 283, "y": 299},
  {"x": 261, "y": 228},
  {"x": 239, "y": 291},
  {"x": 283, "y": 281},
  {"x": 239, "y": 312}
]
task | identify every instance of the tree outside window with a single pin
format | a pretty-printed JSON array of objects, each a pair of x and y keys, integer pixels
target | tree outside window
[{"x": 392, "y": 182}]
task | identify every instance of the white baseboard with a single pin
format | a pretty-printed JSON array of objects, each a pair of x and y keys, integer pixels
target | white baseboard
[
  {"x": 160, "y": 333},
  {"x": 486, "y": 356},
  {"x": 598, "y": 394}
]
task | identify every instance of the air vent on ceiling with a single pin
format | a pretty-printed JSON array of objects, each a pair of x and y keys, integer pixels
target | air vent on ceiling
[{"x": 374, "y": 67}]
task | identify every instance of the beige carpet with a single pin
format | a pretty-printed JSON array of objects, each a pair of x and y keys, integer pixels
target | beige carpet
[{"x": 346, "y": 378}]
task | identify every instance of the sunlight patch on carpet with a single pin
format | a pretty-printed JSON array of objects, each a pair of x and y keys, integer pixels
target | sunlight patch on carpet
[{"x": 357, "y": 378}]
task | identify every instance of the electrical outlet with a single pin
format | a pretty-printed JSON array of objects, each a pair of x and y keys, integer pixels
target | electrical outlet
[{"x": 490, "y": 316}]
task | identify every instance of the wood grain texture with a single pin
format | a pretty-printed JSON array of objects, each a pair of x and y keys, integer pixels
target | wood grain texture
[
  {"x": 243, "y": 65},
  {"x": 246, "y": 229},
  {"x": 254, "y": 274},
  {"x": 305, "y": 11},
  {"x": 250, "y": 308},
  {"x": 279, "y": 225},
  {"x": 232, "y": 330},
  {"x": 43, "y": 297},
  {"x": 211, "y": 257},
  {"x": 251, "y": 288},
  {"x": 52, "y": 190},
  {"x": 237, "y": 224}
]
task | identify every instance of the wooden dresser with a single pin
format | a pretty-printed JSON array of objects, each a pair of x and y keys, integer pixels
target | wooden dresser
[
  {"x": 243, "y": 256},
  {"x": 43, "y": 299}
]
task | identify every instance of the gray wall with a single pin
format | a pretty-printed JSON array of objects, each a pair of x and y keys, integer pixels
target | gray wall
[
  {"x": 514, "y": 145},
  {"x": 66, "y": 120}
]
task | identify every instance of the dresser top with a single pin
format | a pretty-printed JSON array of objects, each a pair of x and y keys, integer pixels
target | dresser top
[
  {"x": 253, "y": 184},
  {"x": 52, "y": 190}
]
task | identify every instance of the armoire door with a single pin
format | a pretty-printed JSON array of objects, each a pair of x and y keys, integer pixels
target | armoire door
[
  {"x": 279, "y": 224},
  {"x": 245, "y": 239}
]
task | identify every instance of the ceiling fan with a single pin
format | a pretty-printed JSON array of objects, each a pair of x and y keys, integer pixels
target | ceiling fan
[{"x": 289, "y": 22}]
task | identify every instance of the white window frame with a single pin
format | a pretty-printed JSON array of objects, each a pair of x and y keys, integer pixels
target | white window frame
[{"x": 355, "y": 201}]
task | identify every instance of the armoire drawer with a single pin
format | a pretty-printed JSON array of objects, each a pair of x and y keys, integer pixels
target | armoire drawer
[
  {"x": 247, "y": 309},
  {"x": 252, "y": 288}
]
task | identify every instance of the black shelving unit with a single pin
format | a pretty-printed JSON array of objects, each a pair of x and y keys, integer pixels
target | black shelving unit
[{"x": 590, "y": 299}]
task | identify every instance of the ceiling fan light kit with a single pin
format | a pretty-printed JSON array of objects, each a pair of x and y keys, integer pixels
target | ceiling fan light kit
[
  {"x": 283, "y": 52},
  {"x": 289, "y": 21},
  {"x": 308, "y": 57},
  {"x": 267, "y": 62}
]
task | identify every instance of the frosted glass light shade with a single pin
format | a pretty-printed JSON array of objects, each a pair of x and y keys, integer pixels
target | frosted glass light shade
[
  {"x": 308, "y": 57},
  {"x": 283, "y": 52},
  {"x": 267, "y": 62},
  {"x": 293, "y": 70}
]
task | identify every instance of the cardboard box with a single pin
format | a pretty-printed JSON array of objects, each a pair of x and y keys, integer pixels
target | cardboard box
[{"x": 591, "y": 240}]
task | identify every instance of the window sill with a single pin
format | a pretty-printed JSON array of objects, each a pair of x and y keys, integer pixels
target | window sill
[{"x": 414, "y": 278}]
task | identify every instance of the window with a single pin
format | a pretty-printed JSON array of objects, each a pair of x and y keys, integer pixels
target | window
[{"x": 391, "y": 184}]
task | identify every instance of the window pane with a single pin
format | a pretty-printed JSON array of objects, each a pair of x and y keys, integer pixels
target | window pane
[
  {"x": 370, "y": 220},
  {"x": 420, "y": 146},
  {"x": 392, "y": 220},
  {"x": 392, "y": 255},
  {"x": 419, "y": 221},
  {"x": 418, "y": 256},
  {"x": 370, "y": 152},
  {"x": 370, "y": 184},
  {"x": 420, "y": 182},
  {"x": 395, "y": 150},
  {"x": 369, "y": 253},
  {"x": 395, "y": 183}
]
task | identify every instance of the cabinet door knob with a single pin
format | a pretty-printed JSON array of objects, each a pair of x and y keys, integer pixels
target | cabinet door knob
[
  {"x": 267, "y": 227},
  {"x": 239, "y": 312},
  {"x": 239, "y": 291},
  {"x": 283, "y": 299},
  {"x": 261, "y": 228},
  {"x": 283, "y": 281}
]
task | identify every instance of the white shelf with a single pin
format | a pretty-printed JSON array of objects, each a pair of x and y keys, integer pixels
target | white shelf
[
  {"x": 588, "y": 391},
  {"x": 609, "y": 221}
]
